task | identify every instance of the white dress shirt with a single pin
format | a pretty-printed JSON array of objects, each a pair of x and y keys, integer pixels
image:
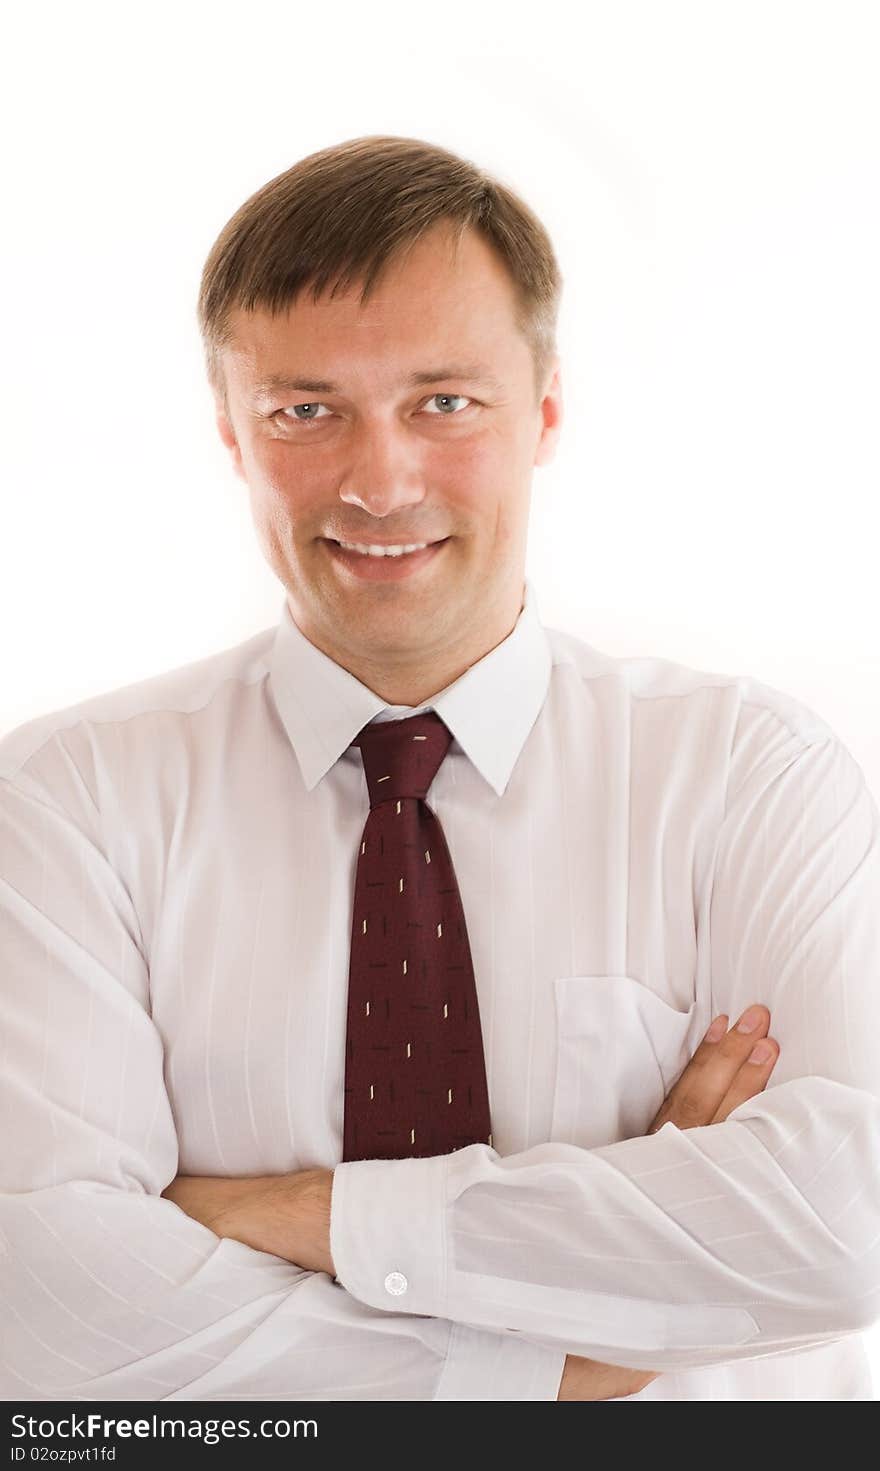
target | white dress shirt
[{"x": 639, "y": 846}]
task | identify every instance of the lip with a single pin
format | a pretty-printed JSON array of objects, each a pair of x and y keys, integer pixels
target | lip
[{"x": 383, "y": 569}]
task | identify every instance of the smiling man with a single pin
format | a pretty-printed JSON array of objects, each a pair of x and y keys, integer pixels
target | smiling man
[
  {"x": 426, "y": 432},
  {"x": 358, "y": 979}
]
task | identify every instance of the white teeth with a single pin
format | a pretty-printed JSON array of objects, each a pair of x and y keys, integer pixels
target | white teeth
[{"x": 394, "y": 551}]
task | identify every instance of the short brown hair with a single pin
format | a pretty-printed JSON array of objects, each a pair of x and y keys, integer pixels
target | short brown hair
[{"x": 341, "y": 214}]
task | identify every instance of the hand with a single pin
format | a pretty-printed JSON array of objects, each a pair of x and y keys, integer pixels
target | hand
[
  {"x": 719, "y": 1076},
  {"x": 717, "y": 1079}
]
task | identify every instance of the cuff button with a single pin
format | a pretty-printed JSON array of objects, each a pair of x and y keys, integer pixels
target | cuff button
[{"x": 396, "y": 1283}]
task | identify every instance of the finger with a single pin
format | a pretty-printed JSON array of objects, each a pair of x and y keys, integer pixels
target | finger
[
  {"x": 751, "y": 1079},
  {"x": 699, "y": 1090}
]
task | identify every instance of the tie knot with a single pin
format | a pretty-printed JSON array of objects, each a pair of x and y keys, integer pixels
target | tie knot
[{"x": 402, "y": 757}]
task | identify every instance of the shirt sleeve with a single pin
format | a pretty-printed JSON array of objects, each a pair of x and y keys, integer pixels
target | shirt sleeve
[
  {"x": 756, "y": 1236},
  {"x": 109, "y": 1291}
]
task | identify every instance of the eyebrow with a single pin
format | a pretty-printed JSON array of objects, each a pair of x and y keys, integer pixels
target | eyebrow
[{"x": 467, "y": 372}]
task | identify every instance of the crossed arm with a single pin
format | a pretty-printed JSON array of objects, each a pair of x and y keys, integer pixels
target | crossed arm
[
  {"x": 789, "y": 1255},
  {"x": 289, "y": 1215},
  {"x": 699, "y": 1245}
]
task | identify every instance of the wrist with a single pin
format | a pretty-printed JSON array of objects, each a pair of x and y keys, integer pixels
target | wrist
[{"x": 305, "y": 1203}]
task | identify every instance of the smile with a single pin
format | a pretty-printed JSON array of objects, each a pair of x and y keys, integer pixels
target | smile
[
  {"x": 373, "y": 550},
  {"x": 380, "y": 564}
]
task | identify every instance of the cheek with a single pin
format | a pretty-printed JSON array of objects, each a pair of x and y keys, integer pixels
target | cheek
[
  {"x": 468, "y": 472},
  {"x": 287, "y": 486},
  {"x": 478, "y": 454},
  {"x": 279, "y": 470},
  {"x": 484, "y": 475}
]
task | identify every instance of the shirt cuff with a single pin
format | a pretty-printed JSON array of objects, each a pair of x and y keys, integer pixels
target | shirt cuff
[
  {"x": 388, "y": 1233},
  {"x": 388, "y": 1244}
]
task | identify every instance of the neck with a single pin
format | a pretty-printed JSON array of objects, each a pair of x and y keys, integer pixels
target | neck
[{"x": 412, "y": 681}]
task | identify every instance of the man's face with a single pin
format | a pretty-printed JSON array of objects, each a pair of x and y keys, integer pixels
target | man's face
[{"x": 350, "y": 450}]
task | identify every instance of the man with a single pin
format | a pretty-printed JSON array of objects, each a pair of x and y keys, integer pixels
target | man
[{"x": 208, "y": 1195}]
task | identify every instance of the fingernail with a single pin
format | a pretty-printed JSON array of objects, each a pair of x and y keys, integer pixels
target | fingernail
[
  {"x": 761, "y": 1052},
  {"x": 749, "y": 1020},
  {"x": 717, "y": 1029}
]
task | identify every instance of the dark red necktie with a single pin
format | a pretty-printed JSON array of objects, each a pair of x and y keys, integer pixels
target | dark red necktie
[{"x": 415, "y": 1073}]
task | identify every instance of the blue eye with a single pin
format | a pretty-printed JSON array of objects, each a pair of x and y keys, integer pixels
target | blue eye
[
  {"x": 304, "y": 406},
  {"x": 460, "y": 396}
]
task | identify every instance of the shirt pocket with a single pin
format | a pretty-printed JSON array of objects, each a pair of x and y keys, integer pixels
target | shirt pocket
[{"x": 619, "y": 1049}]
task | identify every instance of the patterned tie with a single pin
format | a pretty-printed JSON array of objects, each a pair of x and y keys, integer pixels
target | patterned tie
[{"x": 415, "y": 1074}]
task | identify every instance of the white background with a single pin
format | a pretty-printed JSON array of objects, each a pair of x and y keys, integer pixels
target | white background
[{"x": 709, "y": 175}]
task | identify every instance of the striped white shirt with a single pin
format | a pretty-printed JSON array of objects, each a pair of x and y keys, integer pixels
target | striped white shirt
[{"x": 639, "y": 846}]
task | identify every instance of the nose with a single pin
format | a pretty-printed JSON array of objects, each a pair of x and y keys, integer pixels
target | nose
[{"x": 383, "y": 473}]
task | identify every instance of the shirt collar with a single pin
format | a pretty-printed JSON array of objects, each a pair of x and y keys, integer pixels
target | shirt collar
[{"x": 489, "y": 709}]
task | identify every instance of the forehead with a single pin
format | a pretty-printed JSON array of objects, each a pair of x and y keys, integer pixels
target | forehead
[{"x": 440, "y": 300}]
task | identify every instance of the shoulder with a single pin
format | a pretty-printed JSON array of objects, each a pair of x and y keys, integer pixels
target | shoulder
[
  {"x": 102, "y": 719},
  {"x": 728, "y": 736},
  {"x": 641, "y": 679}
]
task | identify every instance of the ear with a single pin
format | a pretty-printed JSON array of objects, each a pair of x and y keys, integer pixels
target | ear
[
  {"x": 550, "y": 410},
  {"x": 227, "y": 432}
]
